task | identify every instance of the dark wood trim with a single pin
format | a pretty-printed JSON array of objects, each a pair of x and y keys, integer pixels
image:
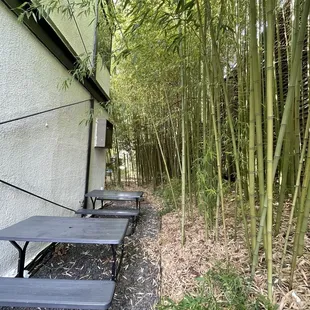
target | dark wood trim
[{"x": 58, "y": 46}]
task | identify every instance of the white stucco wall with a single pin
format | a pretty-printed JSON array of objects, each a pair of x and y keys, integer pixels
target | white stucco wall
[
  {"x": 81, "y": 38},
  {"x": 83, "y": 43},
  {"x": 98, "y": 156},
  {"x": 44, "y": 154},
  {"x": 103, "y": 76}
]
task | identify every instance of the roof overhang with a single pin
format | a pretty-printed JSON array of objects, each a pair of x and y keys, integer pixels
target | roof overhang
[{"x": 58, "y": 46}]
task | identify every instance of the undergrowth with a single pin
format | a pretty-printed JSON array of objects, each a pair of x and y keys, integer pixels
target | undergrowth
[
  {"x": 165, "y": 192},
  {"x": 220, "y": 288}
]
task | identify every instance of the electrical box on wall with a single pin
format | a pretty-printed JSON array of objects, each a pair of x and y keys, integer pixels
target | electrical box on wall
[{"x": 103, "y": 133}]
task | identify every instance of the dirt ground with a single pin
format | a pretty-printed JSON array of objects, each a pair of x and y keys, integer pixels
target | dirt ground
[
  {"x": 184, "y": 264},
  {"x": 156, "y": 265}
]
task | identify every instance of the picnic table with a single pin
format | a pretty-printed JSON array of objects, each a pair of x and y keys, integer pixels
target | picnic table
[
  {"x": 102, "y": 195},
  {"x": 114, "y": 195},
  {"x": 67, "y": 230},
  {"x": 62, "y": 293}
]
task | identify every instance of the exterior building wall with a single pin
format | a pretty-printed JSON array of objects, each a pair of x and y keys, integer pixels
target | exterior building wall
[
  {"x": 103, "y": 76},
  {"x": 85, "y": 24},
  {"x": 98, "y": 157},
  {"x": 44, "y": 154}
]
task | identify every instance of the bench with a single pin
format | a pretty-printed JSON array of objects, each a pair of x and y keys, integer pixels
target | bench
[
  {"x": 114, "y": 212},
  {"x": 56, "y": 293}
]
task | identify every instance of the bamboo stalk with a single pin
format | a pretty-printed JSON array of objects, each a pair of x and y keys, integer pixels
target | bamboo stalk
[
  {"x": 231, "y": 127},
  {"x": 270, "y": 98},
  {"x": 287, "y": 110},
  {"x": 165, "y": 164},
  {"x": 219, "y": 170},
  {"x": 297, "y": 186},
  {"x": 258, "y": 101},
  {"x": 184, "y": 110},
  {"x": 252, "y": 163}
]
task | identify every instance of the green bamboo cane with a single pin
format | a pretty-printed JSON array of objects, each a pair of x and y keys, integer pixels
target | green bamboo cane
[
  {"x": 284, "y": 172},
  {"x": 287, "y": 139},
  {"x": 173, "y": 132},
  {"x": 252, "y": 163},
  {"x": 216, "y": 129},
  {"x": 299, "y": 236},
  {"x": 270, "y": 98},
  {"x": 187, "y": 134},
  {"x": 203, "y": 27},
  {"x": 160, "y": 166},
  {"x": 165, "y": 164},
  {"x": 258, "y": 101},
  {"x": 202, "y": 33},
  {"x": 184, "y": 110},
  {"x": 287, "y": 110},
  {"x": 231, "y": 127},
  {"x": 279, "y": 82},
  {"x": 219, "y": 166},
  {"x": 295, "y": 131},
  {"x": 297, "y": 186},
  {"x": 216, "y": 116},
  {"x": 302, "y": 220},
  {"x": 303, "y": 229}
]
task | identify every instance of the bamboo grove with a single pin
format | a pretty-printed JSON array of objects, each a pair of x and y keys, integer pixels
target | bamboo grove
[{"x": 210, "y": 96}]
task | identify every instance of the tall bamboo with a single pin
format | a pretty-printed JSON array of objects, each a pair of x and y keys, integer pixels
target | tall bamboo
[
  {"x": 297, "y": 186},
  {"x": 286, "y": 113},
  {"x": 184, "y": 110},
  {"x": 252, "y": 163},
  {"x": 231, "y": 128},
  {"x": 219, "y": 166},
  {"x": 258, "y": 100},
  {"x": 165, "y": 164},
  {"x": 270, "y": 98}
]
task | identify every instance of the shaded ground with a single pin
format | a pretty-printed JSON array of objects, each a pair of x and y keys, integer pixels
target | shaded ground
[
  {"x": 182, "y": 266},
  {"x": 138, "y": 284},
  {"x": 155, "y": 261}
]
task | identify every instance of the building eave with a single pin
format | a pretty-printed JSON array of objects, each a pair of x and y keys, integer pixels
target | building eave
[{"x": 59, "y": 47}]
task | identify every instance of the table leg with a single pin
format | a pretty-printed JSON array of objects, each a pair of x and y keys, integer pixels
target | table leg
[
  {"x": 115, "y": 271},
  {"x": 135, "y": 222},
  {"x": 93, "y": 200},
  {"x": 113, "y": 276},
  {"x": 21, "y": 258},
  {"x": 120, "y": 260}
]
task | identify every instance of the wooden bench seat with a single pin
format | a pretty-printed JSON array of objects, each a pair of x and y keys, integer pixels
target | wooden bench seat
[{"x": 56, "y": 293}]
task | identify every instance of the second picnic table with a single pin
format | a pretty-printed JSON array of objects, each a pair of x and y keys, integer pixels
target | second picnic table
[{"x": 102, "y": 195}]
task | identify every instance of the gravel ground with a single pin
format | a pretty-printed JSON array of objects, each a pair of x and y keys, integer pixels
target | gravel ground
[{"x": 138, "y": 283}]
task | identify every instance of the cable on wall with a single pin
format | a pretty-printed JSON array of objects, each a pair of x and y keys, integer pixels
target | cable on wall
[
  {"x": 35, "y": 195},
  {"x": 42, "y": 112},
  {"x": 78, "y": 28}
]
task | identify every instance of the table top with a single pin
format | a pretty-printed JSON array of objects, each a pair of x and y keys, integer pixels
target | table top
[
  {"x": 67, "y": 229},
  {"x": 114, "y": 195}
]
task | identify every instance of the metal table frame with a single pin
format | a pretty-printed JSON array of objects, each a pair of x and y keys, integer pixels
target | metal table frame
[
  {"x": 102, "y": 195},
  {"x": 37, "y": 228}
]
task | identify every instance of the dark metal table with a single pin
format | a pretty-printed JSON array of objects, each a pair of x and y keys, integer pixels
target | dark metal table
[
  {"x": 67, "y": 230},
  {"x": 98, "y": 194}
]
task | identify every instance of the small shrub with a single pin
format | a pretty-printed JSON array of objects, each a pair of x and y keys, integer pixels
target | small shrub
[
  {"x": 166, "y": 194},
  {"x": 221, "y": 288}
]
